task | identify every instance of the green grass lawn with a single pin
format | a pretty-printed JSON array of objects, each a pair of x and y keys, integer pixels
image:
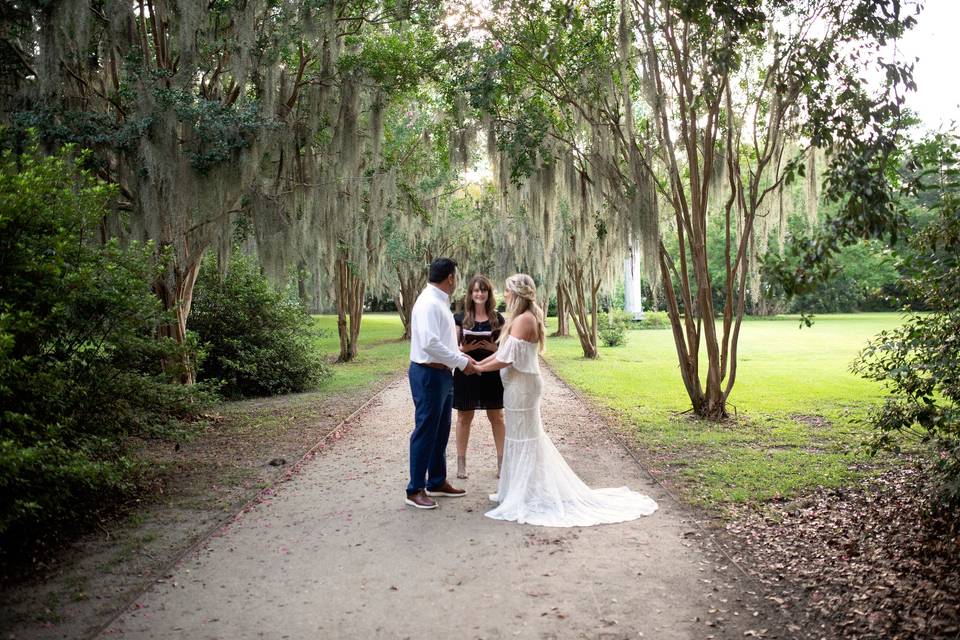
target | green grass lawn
[
  {"x": 798, "y": 408},
  {"x": 381, "y": 352},
  {"x": 374, "y": 328}
]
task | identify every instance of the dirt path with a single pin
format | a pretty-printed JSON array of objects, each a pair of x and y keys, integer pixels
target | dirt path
[{"x": 334, "y": 553}]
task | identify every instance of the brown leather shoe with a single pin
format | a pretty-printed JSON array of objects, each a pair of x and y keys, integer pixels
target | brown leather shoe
[
  {"x": 446, "y": 491},
  {"x": 421, "y": 501}
]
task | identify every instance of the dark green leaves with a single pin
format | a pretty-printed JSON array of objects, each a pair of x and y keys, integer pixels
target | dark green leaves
[
  {"x": 920, "y": 361},
  {"x": 79, "y": 356},
  {"x": 256, "y": 339}
]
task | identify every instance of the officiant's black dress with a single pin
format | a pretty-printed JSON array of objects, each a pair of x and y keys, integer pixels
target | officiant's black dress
[{"x": 483, "y": 391}]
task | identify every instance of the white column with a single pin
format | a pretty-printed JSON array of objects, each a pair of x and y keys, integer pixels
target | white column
[{"x": 632, "y": 270}]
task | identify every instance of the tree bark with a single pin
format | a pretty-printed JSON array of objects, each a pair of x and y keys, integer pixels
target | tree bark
[
  {"x": 411, "y": 283},
  {"x": 302, "y": 284},
  {"x": 350, "y": 292},
  {"x": 695, "y": 138},
  {"x": 584, "y": 318},
  {"x": 175, "y": 290},
  {"x": 404, "y": 314},
  {"x": 563, "y": 324}
]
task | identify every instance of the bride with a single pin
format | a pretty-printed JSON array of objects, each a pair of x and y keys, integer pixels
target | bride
[{"x": 536, "y": 485}]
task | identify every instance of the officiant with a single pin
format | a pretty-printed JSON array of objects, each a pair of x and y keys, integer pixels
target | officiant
[{"x": 478, "y": 328}]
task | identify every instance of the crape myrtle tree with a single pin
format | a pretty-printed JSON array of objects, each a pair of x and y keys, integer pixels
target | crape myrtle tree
[
  {"x": 715, "y": 104},
  {"x": 735, "y": 90}
]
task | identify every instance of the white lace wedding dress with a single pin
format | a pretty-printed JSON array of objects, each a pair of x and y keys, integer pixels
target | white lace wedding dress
[{"x": 536, "y": 484}]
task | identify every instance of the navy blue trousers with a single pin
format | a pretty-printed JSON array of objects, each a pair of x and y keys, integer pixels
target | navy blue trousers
[{"x": 432, "y": 391}]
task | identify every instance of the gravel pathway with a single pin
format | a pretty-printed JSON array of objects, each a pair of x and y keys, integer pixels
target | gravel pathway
[{"x": 333, "y": 552}]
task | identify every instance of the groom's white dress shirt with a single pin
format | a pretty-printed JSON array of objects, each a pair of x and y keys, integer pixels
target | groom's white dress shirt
[{"x": 433, "y": 334}]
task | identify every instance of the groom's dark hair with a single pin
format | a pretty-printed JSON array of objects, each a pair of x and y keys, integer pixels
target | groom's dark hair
[{"x": 440, "y": 270}]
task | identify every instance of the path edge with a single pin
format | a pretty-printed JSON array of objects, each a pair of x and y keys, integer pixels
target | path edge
[{"x": 136, "y": 593}]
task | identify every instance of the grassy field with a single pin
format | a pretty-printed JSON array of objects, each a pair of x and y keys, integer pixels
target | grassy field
[
  {"x": 798, "y": 409},
  {"x": 381, "y": 352}
]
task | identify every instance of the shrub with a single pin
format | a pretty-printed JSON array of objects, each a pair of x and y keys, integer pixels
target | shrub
[
  {"x": 919, "y": 362},
  {"x": 612, "y": 327},
  {"x": 257, "y": 340},
  {"x": 79, "y": 357},
  {"x": 654, "y": 320}
]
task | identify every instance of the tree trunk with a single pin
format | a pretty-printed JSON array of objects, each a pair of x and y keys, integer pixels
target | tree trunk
[
  {"x": 175, "y": 290},
  {"x": 707, "y": 398},
  {"x": 594, "y": 288},
  {"x": 563, "y": 325},
  {"x": 350, "y": 292},
  {"x": 302, "y": 284},
  {"x": 411, "y": 283},
  {"x": 404, "y": 315},
  {"x": 577, "y": 296}
]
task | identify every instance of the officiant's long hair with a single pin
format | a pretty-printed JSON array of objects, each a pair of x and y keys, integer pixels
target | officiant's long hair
[
  {"x": 524, "y": 292},
  {"x": 469, "y": 308}
]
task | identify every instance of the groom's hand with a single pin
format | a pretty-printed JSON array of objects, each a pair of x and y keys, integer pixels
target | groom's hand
[{"x": 471, "y": 368}]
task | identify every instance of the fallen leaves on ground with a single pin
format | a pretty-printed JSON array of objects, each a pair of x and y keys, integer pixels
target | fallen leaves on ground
[{"x": 871, "y": 562}]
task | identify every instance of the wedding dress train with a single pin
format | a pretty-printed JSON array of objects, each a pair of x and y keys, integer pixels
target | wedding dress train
[{"x": 536, "y": 484}]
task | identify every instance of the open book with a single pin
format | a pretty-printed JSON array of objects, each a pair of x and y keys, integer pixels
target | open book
[{"x": 479, "y": 336}]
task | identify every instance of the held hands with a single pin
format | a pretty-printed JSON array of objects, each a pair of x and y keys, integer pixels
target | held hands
[
  {"x": 488, "y": 345},
  {"x": 471, "y": 368}
]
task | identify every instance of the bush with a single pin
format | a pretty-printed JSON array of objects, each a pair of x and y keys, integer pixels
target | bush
[
  {"x": 864, "y": 271},
  {"x": 257, "y": 340},
  {"x": 919, "y": 362},
  {"x": 612, "y": 327},
  {"x": 654, "y": 320},
  {"x": 79, "y": 357}
]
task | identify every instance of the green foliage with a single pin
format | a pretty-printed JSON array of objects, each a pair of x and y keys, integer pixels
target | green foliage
[
  {"x": 219, "y": 130},
  {"x": 612, "y": 327},
  {"x": 865, "y": 276},
  {"x": 543, "y": 54},
  {"x": 79, "y": 356},
  {"x": 398, "y": 61},
  {"x": 920, "y": 361},
  {"x": 654, "y": 320},
  {"x": 257, "y": 340}
]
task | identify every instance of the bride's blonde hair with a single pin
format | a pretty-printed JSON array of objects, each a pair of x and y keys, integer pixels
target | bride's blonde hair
[{"x": 524, "y": 299}]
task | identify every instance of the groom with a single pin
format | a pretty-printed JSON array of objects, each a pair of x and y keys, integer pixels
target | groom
[{"x": 433, "y": 356}]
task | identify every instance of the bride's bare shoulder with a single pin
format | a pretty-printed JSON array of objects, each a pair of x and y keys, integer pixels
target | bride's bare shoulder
[{"x": 524, "y": 327}]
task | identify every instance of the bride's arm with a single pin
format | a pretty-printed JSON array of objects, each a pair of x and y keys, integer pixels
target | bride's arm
[
  {"x": 489, "y": 358},
  {"x": 491, "y": 364}
]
